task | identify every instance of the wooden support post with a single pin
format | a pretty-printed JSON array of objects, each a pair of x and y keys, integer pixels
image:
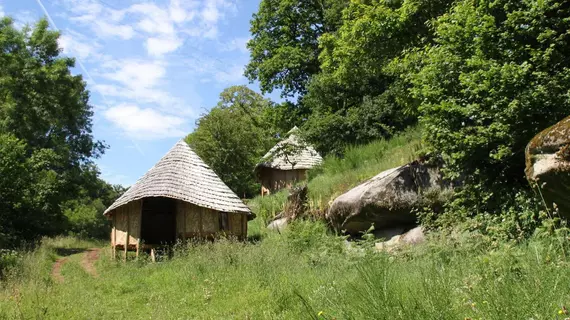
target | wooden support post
[
  {"x": 127, "y": 238},
  {"x": 140, "y": 228},
  {"x": 152, "y": 255},
  {"x": 114, "y": 236}
]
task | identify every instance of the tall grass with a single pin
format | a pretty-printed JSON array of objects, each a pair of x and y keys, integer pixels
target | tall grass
[
  {"x": 337, "y": 175},
  {"x": 306, "y": 273}
]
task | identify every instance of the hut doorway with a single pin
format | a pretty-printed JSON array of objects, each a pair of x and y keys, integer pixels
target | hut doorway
[{"x": 158, "y": 221}]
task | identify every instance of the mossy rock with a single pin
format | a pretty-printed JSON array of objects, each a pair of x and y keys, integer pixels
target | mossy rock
[{"x": 548, "y": 166}]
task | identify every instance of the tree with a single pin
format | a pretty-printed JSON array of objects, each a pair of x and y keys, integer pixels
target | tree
[
  {"x": 498, "y": 75},
  {"x": 284, "y": 46},
  {"x": 45, "y": 127},
  {"x": 234, "y": 135},
  {"x": 362, "y": 93}
]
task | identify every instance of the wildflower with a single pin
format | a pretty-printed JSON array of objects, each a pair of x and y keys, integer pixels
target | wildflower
[
  {"x": 320, "y": 314},
  {"x": 563, "y": 310}
]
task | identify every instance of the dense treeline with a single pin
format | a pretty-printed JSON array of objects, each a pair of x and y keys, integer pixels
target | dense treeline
[
  {"x": 48, "y": 182},
  {"x": 481, "y": 77}
]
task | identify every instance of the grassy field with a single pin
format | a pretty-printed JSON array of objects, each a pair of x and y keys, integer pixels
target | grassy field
[{"x": 303, "y": 273}]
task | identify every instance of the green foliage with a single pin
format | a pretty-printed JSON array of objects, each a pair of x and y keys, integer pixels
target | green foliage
[
  {"x": 497, "y": 76},
  {"x": 362, "y": 93},
  {"x": 284, "y": 46},
  {"x": 46, "y": 145},
  {"x": 29, "y": 192},
  {"x": 234, "y": 135},
  {"x": 332, "y": 133}
]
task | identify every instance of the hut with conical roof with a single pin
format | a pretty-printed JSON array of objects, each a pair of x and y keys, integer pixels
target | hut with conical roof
[
  {"x": 286, "y": 163},
  {"x": 179, "y": 197}
]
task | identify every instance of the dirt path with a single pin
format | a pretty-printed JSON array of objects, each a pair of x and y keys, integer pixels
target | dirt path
[
  {"x": 88, "y": 261},
  {"x": 56, "y": 270}
]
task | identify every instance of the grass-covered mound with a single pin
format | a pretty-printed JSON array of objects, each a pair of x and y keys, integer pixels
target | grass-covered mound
[{"x": 303, "y": 273}]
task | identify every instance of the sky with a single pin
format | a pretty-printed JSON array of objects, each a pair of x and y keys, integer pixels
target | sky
[{"x": 152, "y": 67}]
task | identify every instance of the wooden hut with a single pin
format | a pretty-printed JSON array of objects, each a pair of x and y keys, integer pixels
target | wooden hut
[
  {"x": 286, "y": 163},
  {"x": 180, "y": 197}
]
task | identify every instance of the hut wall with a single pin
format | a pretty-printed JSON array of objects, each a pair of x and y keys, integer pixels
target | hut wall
[
  {"x": 210, "y": 222},
  {"x": 275, "y": 179},
  {"x": 127, "y": 220},
  {"x": 194, "y": 221}
]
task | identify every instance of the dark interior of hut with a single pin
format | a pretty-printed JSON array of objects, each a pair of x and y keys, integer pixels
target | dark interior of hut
[{"x": 158, "y": 225}]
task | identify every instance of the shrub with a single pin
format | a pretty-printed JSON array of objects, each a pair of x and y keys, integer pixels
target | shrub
[{"x": 497, "y": 76}]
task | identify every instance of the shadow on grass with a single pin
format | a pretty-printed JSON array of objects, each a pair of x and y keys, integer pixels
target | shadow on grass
[{"x": 64, "y": 252}]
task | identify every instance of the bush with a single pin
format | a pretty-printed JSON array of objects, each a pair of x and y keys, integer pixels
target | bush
[{"x": 498, "y": 75}]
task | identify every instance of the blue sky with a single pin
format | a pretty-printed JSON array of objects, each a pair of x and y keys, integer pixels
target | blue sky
[{"x": 152, "y": 67}]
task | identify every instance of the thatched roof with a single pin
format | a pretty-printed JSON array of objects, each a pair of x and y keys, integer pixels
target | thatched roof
[
  {"x": 182, "y": 175},
  {"x": 303, "y": 156}
]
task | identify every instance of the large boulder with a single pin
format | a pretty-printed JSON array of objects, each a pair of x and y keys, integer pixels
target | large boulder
[
  {"x": 548, "y": 166},
  {"x": 388, "y": 200}
]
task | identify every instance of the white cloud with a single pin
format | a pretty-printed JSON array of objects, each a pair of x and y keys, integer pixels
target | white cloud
[
  {"x": 153, "y": 19},
  {"x": 236, "y": 44},
  {"x": 210, "y": 13},
  {"x": 1, "y": 11},
  {"x": 231, "y": 75},
  {"x": 160, "y": 46},
  {"x": 182, "y": 11},
  {"x": 122, "y": 31},
  {"x": 139, "y": 123},
  {"x": 136, "y": 73},
  {"x": 74, "y": 44}
]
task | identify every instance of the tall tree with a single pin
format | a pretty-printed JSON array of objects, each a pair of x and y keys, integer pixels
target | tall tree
[
  {"x": 284, "y": 47},
  {"x": 362, "y": 92},
  {"x": 45, "y": 118},
  {"x": 499, "y": 74},
  {"x": 234, "y": 135}
]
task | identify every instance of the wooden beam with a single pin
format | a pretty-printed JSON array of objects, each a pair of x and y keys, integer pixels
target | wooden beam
[
  {"x": 114, "y": 236},
  {"x": 128, "y": 227},
  {"x": 140, "y": 228}
]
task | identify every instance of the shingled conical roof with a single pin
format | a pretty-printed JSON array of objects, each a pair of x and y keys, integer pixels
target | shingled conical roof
[
  {"x": 302, "y": 156},
  {"x": 182, "y": 175}
]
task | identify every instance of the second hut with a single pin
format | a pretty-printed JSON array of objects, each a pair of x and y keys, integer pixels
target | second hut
[
  {"x": 180, "y": 197},
  {"x": 286, "y": 163}
]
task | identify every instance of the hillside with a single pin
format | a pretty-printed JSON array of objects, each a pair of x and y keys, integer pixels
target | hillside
[{"x": 337, "y": 175}]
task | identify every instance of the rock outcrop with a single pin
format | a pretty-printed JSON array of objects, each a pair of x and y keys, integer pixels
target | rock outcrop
[
  {"x": 548, "y": 166},
  {"x": 278, "y": 224},
  {"x": 414, "y": 236},
  {"x": 388, "y": 199}
]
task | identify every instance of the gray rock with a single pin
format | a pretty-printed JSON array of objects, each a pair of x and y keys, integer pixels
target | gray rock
[
  {"x": 278, "y": 224},
  {"x": 414, "y": 236},
  {"x": 388, "y": 199},
  {"x": 548, "y": 166}
]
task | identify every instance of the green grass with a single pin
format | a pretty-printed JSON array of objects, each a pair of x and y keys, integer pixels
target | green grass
[
  {"x": 302, "y": 273},
  {"x": 338, "y": 175}
]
